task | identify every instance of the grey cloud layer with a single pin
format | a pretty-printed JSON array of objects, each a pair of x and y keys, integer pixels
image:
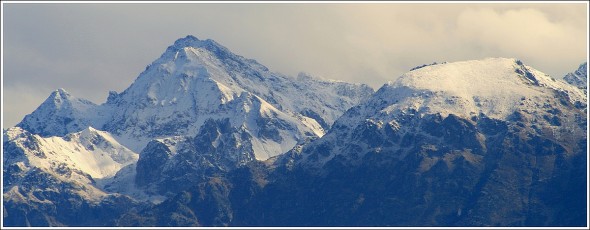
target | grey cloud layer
[{"x": 89, "y": 49}]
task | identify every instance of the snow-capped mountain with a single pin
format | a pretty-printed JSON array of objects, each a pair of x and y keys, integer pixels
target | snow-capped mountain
[
  {"x": 207, "y": 137},
  {"x": 495, "y": 88},
  {"x": 210, "y": 110},
  {"x": 47, "y": 174},
  {"x": 77, "y": 157},
  {"x": 488, "y": 142},
  {"x": 171, "y": 165},
  {"x": 89, "y": 153},
  {"x": 60, "y": 114},
  {"x": 195, "y": 80},
  {"x": 579, "y": 78}
]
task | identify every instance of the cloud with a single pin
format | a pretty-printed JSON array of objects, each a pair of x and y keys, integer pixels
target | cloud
[
  {"x": 524, "y": 33},
  {"x": 89, "y": 49}
]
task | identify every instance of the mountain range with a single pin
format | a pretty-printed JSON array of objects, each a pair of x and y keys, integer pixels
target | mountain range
[{"x": 205, "y": 137}]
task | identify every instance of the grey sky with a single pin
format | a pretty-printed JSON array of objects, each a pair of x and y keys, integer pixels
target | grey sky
[{"x": 89, "y": 49}]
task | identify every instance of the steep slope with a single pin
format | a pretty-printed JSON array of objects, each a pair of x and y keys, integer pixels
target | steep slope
[
  {"x": 208, "y": 109},
  {"x": 579, "y": 78},
  {"x": 195, "y": 80},
  {"x": 219, "y": 147},
  {"x": 61, "y": 113},
  {"x": 491, "y": 142},
  {"x": 175, "y": 95},
  {"x": 488, "y": 142},
  {"x": 190, "y": 57},
  {"x": 434, "y": 148},
  {"x": 497, "y": 88},
  {"x": 89, "y": 153},
  {"x": 44, "y": 175}
]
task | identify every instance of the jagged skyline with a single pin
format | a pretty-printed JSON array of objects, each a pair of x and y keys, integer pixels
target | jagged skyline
[
  {"x": 90, "y": 49},
  {"x": 449, "y": 139}
]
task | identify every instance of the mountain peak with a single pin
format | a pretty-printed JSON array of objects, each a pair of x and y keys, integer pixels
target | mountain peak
[
  {"x": 61, "y": 91},
  {"x": 59, "y": 114},
  {"x": 492, "y": 86},
  {"x": 58, "y": 95},
  {"x": 188, "y": 41},
  {"x": 60, "y": 99},
  {"x": 579, "y": 77},
  {"x": 464, "y": 77},
  {"x": 194, "y": 42},
  {"x": 188, "y": 38},
  {"x": 89, "y": 131}
]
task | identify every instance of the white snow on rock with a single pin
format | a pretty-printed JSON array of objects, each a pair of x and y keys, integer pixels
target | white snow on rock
[
  {"x": 495, "y": 87},
  {"x": 579, "y": 78},
  {"x": 90, "y": 151},
  {"x": 195, "y": 80}
]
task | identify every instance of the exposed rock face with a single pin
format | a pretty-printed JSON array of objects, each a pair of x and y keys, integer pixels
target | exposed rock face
[
  {"x": 579, "y": 78},
  {"x": 196, "y": 111},
  {"x": 418, "y": 154},
  {"x": 217, "y": 148},
  {"x": 195, "y": 80},
  {"x": 223, "y": 141}
]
